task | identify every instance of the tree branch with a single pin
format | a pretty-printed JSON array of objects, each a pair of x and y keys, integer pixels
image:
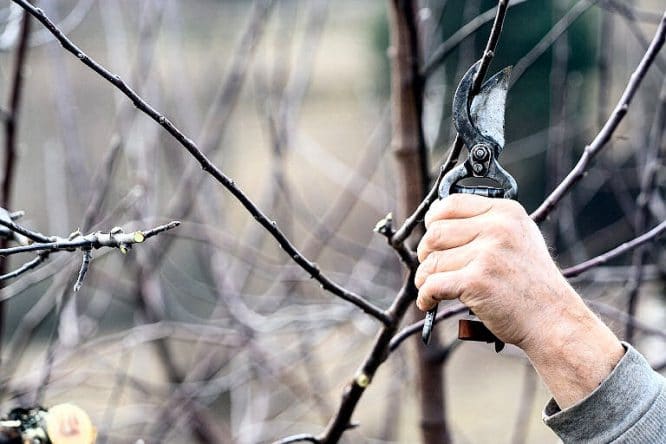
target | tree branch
[
  {"x": 551, "y": 36},
  {"x": 378, "y": 354},
  {"x": 615, "y": 252},
  {"x": 303, "y": 437},
  {"x": 442, "y": 52},
  {"x": 270, "y": 225},
  {"x": 607, "y": 131},
  {"x": 77, "y": 241},
  {"x": 34, "y": 263},
  {"x": 416, "y": 217}
]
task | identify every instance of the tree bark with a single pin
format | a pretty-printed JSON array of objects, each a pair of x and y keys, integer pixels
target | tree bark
[{"x": 408, "y": 145}]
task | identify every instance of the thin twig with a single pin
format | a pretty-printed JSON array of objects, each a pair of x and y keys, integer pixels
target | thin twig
[
  {"x": 34, "y": 263},
  {"x": 442, "y": 52},
  {"x": 303, "y": 437},
  {"x": 607, "y": 131},
  {"x": 615, "y": 252},
  {"x": 30, "y": 234},
  {"x": 551, "y": 36},
  {"x": 85, "y": 264},
  {"x": 113, "y": 239}
]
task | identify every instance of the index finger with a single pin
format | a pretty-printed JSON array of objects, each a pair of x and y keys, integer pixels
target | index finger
[{"x": 458, "y": 206}]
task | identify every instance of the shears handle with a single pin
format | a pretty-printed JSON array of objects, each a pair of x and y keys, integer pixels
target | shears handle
[{"x": 468, "y": 329}]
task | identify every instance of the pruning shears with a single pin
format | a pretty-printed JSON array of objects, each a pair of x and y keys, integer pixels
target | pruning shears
[{"x": 480, "y": 123}]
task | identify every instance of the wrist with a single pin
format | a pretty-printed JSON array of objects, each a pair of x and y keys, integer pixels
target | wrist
[{"x": 573, "y": 351}]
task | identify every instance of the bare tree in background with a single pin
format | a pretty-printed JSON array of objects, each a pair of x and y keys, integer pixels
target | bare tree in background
[{"x": 249, "y": 329}]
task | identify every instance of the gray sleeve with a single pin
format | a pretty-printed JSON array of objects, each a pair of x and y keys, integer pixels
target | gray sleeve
[{"x": 629, "y": 406}]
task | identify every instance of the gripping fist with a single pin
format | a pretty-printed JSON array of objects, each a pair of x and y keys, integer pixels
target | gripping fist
[{"x": 489, "y": 254}]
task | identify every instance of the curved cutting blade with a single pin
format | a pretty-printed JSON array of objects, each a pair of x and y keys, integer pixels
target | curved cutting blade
[
  {"x": 461, "y": 117},
  {"x": 487, "y": 108},
  {"x": 484, "y": 118}
]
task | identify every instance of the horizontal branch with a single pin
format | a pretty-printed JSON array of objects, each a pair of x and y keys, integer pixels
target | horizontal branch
[
  {"x": 608, "y": 129},
  {"x": 615, "y": 252},
  {"x": 116, "y": 238},
  {"x": 207, "y": 166}
]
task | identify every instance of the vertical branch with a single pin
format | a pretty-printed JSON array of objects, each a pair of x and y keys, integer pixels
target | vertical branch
[
  {"x": 408, "y": 145},
  {"x": 11, "y": 129},
  {"x": 605, "y": 45},
  {"x": 407, "y": 140},
  {"x": 556, "y": 131},
  {"x": 651, "y": 166},
  {"x": 341, "y": 421}
]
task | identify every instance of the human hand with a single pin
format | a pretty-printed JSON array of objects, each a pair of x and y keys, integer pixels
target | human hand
[{"x": 490, "y": 255}]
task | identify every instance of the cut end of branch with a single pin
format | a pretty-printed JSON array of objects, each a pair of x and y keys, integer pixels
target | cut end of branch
[{"x": 362, "y": 380}]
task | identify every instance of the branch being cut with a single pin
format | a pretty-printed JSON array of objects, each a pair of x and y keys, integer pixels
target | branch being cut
[
  {"x": 413, "y": 220},
  {"x": 547, "y": 41},
  {"x": 443, "y": 50},
  {"x": 187, "y": 143},
  {"x": 607, "y": 131}
]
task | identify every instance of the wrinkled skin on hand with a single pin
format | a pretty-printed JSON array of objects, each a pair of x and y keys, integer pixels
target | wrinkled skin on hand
[{"x": 492, "y": 256}]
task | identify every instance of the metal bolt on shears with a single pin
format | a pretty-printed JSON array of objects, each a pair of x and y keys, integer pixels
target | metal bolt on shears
[{"x": 480, "y": 124}]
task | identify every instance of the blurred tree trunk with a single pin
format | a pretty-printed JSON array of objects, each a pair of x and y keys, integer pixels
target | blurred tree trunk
[{"x": 408, "y": 145}]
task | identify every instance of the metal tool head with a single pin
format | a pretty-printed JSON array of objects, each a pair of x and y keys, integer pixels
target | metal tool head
[
  {"x": 482, "y": 120},
  {"x": 480, "y": 124}
]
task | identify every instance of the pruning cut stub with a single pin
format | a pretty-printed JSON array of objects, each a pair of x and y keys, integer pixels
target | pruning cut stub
[{"x": 480, "y": 124}]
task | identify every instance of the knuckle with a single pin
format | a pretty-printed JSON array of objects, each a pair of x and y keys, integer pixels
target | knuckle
[
  {"x": 502, "y": 230},
  {"x": 421, "y": 275},
  {"x": 453, "y": 203},
  {"x": 432, "y": 236},
  {"x": 433, "y": 212},
  {"x": 512, "y": 208}
]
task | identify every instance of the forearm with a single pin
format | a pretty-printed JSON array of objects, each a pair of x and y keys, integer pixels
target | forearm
[{"x": 572, "y": 350}]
